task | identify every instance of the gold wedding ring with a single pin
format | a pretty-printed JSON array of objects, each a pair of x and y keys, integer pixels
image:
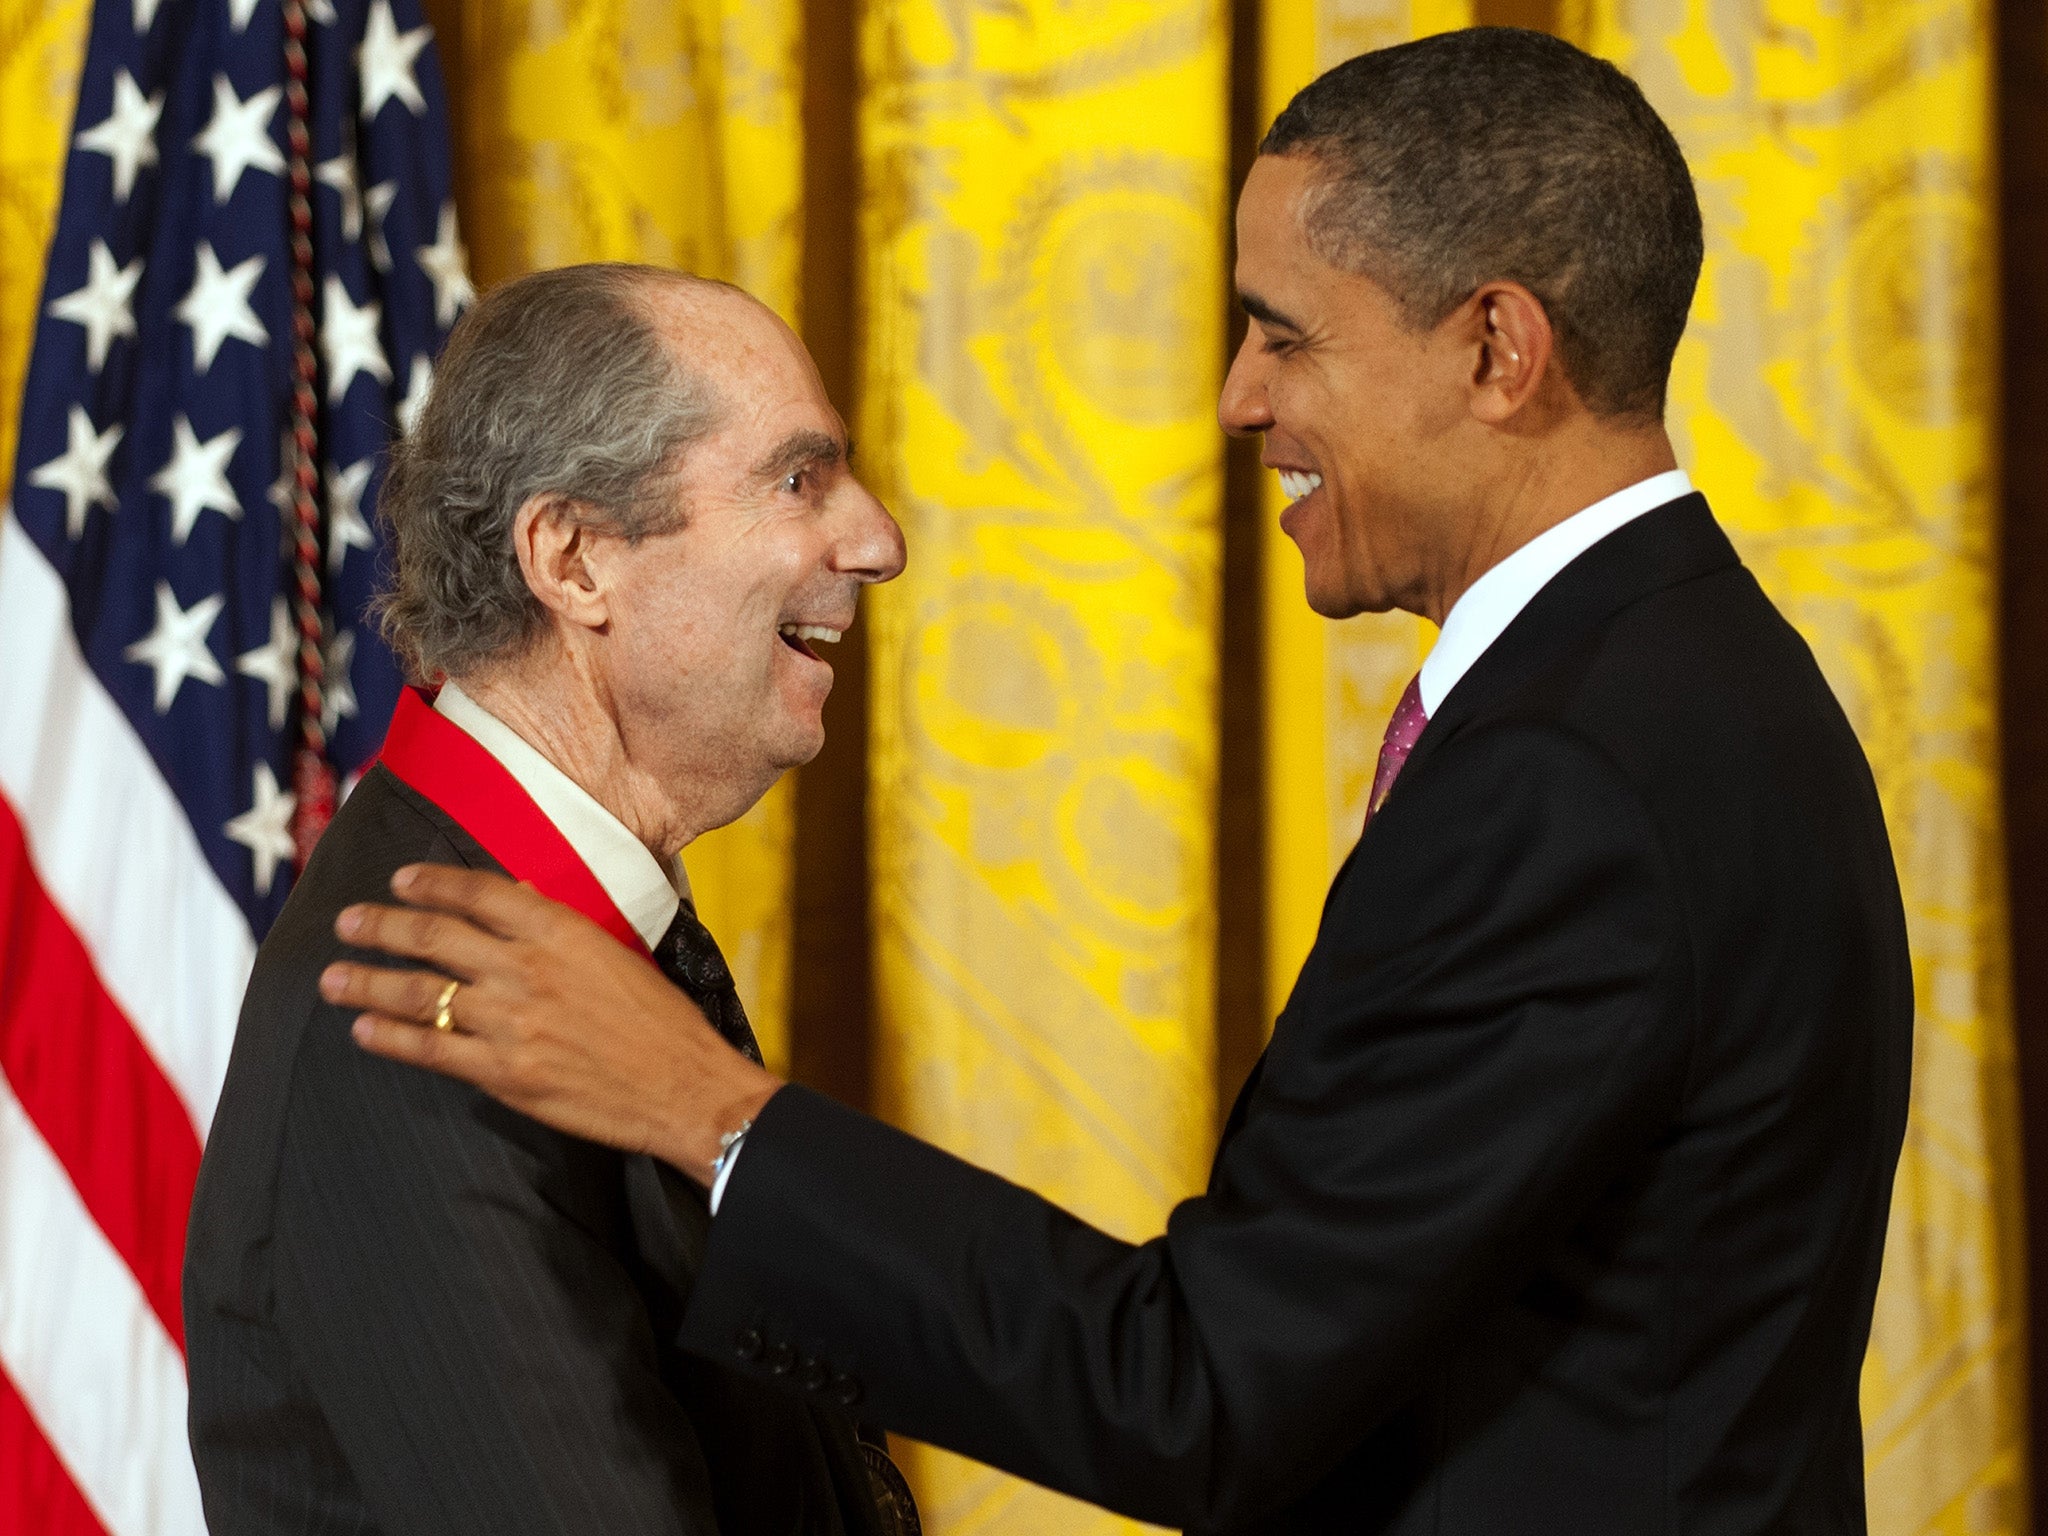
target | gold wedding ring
[{"x": 444, "y": 1018}]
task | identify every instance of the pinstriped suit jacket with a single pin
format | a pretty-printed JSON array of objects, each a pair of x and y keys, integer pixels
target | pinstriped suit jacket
[{"x": 409, "y": 1309}]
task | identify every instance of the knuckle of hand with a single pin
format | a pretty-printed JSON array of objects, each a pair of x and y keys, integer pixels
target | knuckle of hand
[
  {"x": 529, "y": 970},
  {"x": 521, "y": 1065},
  {"x": 528, "y": 1026}
]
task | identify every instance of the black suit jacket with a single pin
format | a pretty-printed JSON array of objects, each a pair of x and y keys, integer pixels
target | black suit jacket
[
  {"x": 1556, "y": 1204},
  {"x": 409, "y": 1309}
]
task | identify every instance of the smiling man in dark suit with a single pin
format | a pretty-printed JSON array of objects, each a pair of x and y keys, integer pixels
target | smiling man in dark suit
[
  {"x": 617, "y": 522},
  {"x": 1557, "y": 1203}
]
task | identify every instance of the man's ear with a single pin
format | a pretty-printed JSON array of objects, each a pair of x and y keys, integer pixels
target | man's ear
[
  {"x": 554, "y": 547},
  {"x": 1515, "y": 346}
]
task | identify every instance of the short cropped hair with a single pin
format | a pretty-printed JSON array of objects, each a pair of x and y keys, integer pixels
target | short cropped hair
[
  {"x": 1496, "y": 153},
  {"x": 558, "y": 383}
]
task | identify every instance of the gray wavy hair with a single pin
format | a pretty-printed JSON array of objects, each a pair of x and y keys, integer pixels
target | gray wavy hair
[{"x": 556, "y": 384}]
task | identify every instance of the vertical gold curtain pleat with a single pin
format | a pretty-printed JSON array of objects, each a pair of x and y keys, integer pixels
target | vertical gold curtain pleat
[
  {"x": 1044, "y": 210},
  {"x": 663, "y": 131},
  {"x": 1329, "y": 688},
  {"x": 1834, "y": 397},
  {"x": 42, "y": 49}
]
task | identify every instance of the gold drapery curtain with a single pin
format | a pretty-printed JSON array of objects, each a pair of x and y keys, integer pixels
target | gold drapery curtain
[
  {"x": 42, "y": 49},
  {"x": 1044, "y": 210},
  {"x": 1043, "y": 215},
  {"x": 1835, "y": 398}
]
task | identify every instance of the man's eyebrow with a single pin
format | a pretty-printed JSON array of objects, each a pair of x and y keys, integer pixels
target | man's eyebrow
[
  {"x": 1265, "y": 313},
  {"x": 800, "y": 450}
]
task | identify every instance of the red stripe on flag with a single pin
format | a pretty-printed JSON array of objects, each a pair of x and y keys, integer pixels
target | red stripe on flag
[
  {"x": 96, "y": 1095},
  {"x": 36, "y": 1493}
]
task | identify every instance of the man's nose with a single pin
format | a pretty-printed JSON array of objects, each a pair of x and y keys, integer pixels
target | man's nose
[
  {"x": 869, "y": 546},
  {"x": 1242, "y": 408}
]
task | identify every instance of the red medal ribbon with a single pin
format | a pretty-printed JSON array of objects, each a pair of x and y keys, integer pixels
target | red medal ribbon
[{"x": 439, "y": 759}]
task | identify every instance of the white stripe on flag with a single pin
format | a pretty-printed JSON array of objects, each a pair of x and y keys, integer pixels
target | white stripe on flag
[
  {"x": 84, "y": 1349},
  {"x": 110, "y": 840}
]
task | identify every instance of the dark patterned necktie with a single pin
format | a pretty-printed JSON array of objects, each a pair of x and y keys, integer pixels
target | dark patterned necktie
[{"x": 689, "y": 957}]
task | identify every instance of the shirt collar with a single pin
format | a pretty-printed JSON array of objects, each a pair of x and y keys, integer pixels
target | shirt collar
[
  {"x": 645, "y": 892},
  {"x": 1491, "y": 603}
]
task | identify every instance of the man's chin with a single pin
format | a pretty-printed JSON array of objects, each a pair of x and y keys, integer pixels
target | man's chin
[
  {"x": 1334, "y": 601},
  {"x": 806, "y": 754},
  {"x": 766, "y": 763},
  {"x": 1334, "y": 597},
  {"x": 801, "y": 738}
]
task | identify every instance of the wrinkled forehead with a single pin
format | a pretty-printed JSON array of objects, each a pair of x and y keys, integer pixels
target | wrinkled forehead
[
  {"x": 1274, "y": 206},
  {"x": 759, "y": 371},
  {"x": 717, "y": 330},
  {"x": 730, "y": 339}
]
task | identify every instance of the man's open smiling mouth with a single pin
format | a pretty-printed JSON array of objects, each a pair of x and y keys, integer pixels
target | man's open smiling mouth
[
  {"x": 798, "y": 637},
  {"x": 1297, "y": 483}
]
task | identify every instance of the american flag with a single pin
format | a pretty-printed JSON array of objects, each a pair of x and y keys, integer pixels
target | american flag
[{"x": 256, "y": 260}]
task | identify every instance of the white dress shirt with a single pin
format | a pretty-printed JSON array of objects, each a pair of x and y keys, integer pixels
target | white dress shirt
[
  {"x": 1491, "y": 603},
  {"x": 645, "y": 891}
]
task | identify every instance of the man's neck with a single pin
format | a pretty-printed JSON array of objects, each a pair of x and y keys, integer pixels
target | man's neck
[
  {"x": 561, "y": 715},
  {"x": 1567, "y": 476}
]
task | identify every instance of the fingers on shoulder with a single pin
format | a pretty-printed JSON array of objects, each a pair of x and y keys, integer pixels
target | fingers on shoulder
[
  {"x": 448, "y": 1052},
  {"x": 485, "y": 898}
]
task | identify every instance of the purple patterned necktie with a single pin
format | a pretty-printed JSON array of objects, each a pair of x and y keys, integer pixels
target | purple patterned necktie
[{"x": 1402, "y": 731}]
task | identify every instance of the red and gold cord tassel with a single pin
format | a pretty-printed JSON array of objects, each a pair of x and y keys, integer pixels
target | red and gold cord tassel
[{"x": 313, "y": 781}]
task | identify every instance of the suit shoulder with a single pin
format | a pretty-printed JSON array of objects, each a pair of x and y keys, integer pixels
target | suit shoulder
[
  {"x": 1714, "y": 644},
  {"x": 1699, "y": 692},
  {"x": 380, "y": 827},
  {"x": 383, "y": 826}
]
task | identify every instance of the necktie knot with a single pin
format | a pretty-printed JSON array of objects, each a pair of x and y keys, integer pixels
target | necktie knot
[
  {"x": 689, "y": 953},
  {"x": 689, "y": 957},
  {"x": 1403, "y": 731}
]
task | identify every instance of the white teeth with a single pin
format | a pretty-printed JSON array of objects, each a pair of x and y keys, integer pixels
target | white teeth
[
  {"x": 1296, "y": 485},
  {"x": 813, "y": 632}
]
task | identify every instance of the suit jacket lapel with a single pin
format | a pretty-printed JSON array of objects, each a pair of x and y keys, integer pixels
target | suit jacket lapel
[{"x": 1676, "y": 542}]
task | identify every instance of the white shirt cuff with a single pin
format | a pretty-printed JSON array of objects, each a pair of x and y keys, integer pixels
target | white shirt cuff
[{"x": 725, "y": 1169}]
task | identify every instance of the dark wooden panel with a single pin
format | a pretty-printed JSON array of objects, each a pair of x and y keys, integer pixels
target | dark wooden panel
[
  {"x": 1241, "y": 1019},
  {"x": 2023, "y": 195},
  {"x": 831, "y": 992},
  {"x": 1537, "y": 15}
]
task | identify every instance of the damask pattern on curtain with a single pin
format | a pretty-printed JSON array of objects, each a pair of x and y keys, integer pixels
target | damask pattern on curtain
[
  {"x": 1045, "y": 209},
  {"x": 1044, "y": 214}
]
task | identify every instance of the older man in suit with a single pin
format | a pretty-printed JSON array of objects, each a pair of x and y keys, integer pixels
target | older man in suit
[
  {"x": 1557, "y": 1202},
  {"x": 623, "y": 517}
]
